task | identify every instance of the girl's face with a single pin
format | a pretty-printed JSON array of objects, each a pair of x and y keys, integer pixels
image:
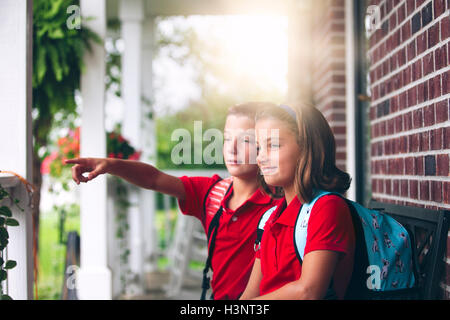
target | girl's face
[
  {"x": 239, "y": 149},
  {"x": 278, "y": 152}
]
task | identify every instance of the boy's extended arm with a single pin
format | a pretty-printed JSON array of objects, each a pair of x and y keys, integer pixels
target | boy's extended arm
[{"x": 136, "y": 172}]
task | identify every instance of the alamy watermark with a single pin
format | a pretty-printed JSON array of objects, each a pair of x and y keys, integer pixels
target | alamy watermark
[
  {"x": 234, "y": 146},
  {"x": 74, "y": 20},
  {"x": 373, "y": 18}
]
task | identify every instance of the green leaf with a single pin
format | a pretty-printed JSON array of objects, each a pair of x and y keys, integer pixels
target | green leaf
[
  {"x": 1, "y": 261},
  {"x": 40, "y": 66},
  {"x": 2, "y": 221},
  {"x": 5, "y": 211},
  {"x": 6, "y": 297},
  {"x": 3, "y": 275},
  {"x": 56, "y": 34},
  {"x": 10, "y": 264},
  {"x": 4, "y": 235},
  {"x": 12, "y": 222}
]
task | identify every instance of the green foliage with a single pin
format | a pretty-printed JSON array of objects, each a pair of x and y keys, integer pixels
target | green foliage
[
  {"x": 5, "y": 221},
  {"x": 57, "y": 63}
]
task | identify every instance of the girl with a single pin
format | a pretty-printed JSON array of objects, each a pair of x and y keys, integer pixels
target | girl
[
  {"x": 304, "y": 152},
  {"x": 243, "y": 204}
]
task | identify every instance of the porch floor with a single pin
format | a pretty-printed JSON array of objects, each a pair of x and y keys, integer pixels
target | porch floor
[{"x": 155, "y": 282}]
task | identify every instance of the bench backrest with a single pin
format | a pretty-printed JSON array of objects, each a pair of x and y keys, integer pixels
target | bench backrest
[{"x": 429, "y": 229}]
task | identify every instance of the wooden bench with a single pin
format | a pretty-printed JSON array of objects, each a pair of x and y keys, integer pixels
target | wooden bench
[{"x": 429, "y": 229}]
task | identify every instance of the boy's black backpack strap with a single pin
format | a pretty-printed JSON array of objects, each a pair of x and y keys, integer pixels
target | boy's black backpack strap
[{"x": 212, "y": 233}]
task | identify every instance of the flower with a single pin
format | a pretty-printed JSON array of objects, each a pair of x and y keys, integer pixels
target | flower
[
  {"x": 45, "y": 166},
  {"x": 69, "y": 147}
]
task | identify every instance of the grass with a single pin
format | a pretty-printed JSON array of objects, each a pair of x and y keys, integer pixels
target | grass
[{"x": 52, "y": 253}]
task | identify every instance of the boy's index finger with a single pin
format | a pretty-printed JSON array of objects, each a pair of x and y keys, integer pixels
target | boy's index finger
[{"x": 74, "y": 161}]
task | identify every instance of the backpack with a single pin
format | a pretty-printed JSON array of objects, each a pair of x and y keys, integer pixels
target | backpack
[
  {"x": 384, "y": 265},
  {"x": 218, "y": 191}
]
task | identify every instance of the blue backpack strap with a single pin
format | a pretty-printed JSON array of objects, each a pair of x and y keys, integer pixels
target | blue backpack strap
[
  {"x": 260, "y": 229},
  {"x": 301, "y": 225},
  {"x": 301, "y": 233}
]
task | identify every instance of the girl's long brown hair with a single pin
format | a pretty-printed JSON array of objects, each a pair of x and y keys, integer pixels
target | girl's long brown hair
[{"x": 316, "y": 167}]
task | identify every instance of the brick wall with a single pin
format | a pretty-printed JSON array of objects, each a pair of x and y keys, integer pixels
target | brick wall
[
  {"x": 409, "y": 114},
  {"x": 328, "y": 68}
]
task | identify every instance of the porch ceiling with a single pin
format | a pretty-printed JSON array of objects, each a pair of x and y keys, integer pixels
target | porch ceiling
[{"x": 207, "y": 7}]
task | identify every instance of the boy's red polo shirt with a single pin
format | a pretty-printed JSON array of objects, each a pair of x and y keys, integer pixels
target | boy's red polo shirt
[
  {"x": 330, "y": 227},
  {"x": 234, "y": 254}
]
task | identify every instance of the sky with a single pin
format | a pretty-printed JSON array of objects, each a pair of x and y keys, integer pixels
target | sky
[{"x": 251, "y": 46}]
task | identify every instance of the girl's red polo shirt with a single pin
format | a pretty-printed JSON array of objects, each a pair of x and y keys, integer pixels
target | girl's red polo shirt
[
  {"x": 234, "y": 254},
  {"x": 330, "y": 227}
]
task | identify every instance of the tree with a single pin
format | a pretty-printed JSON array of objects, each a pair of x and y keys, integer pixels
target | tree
[{"x": 58, "y": 50}]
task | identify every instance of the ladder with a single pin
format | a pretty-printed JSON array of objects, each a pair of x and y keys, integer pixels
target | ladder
[{"x": 189, "y": 245}]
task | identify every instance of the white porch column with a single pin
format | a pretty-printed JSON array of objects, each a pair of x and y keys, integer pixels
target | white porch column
[
  {"x": 148, "y": 200},
  {"x": 94, "y": 277},
  {"x": 131, "y": 14},
  {"x": 15, "y": 132}
]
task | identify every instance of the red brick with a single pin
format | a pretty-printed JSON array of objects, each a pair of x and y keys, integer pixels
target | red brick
[
  {"x": 440, "y": 57},
  {"x": 439, "y": 7},
  {"x": 414, "y": 189},
  {"x": 422, "y": 43},
  {"x": 395, "y": 188},
  {"x": 428, "y": 115},
  {"x": 446, "y": 187},
  {"x": 424, "y": 190},
  {"x": 442, "y": 111},
  {"x": 402, "y": 99},
  {"x": 411, "y": 50},
  {"x": 428, "y": 64},
  {"x": 413, "y": 143},
  {"x": 446, "y": 138},
  {"x": 436, "y": 191},
  {"x": 445, "y": 28},
  {"x": 417, "y": 70},
  {"x": 403, "y": 144},
  {"x": 442, "y": 162},
  {"x": 433, "y": 35},
  {"x": 424, "y": 141},
  {"x": 446, "y": 82},
  {"x": 409, "y": 166},
  {"x": 406, "y": 75},
  {"x": 412, "y": 96},
  {"x": 404, "y": 188},
  {"x": 390, "y": 126},
  {"x": 401, "y": 13},
  {"x": 417, "y": 119},
  {"x": 410, "y": 6},
  {"x": 418, "y": 166},
  {"x": 422, "y": 92},
  {"x": 398, "y": 124},
  {"x": 406, "y": 31},
  {"x": 407, "y": 121},
  {"x": 387, "y": 186},
  {"x": 436, "y": 139},
  {"x": 435, "y": 89}
]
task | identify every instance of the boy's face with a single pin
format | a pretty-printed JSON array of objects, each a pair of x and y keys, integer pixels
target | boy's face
[{"x": 239, "y": 149}]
